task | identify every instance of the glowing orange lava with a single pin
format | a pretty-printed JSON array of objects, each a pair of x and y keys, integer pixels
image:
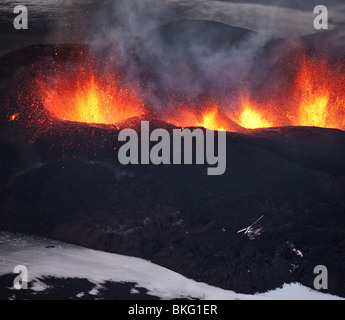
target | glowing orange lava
[
  {"x": 210, "y": 120},
  {"x": 89, "y": 98},
  {"x": 315, "y": 97},
  {"x": 14, "y": 117},
  {"x": 321, "y": 103},
  {"x": 251, "y": 118},
  {"x": 210, "y": 116}
]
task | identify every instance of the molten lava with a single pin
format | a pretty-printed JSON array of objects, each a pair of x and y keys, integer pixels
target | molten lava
[
  {"x": 187, "y": 115},
  {"x": 251, "y": 118},
  {"x": 314, "y": 97},
  {"x": 321, "y": 94},
  {"x": 14, "y": 117},
  {"x": 211, "y": 120},
  {"x": 209, "y": 116},
  {"x": 87, "y": 97}
]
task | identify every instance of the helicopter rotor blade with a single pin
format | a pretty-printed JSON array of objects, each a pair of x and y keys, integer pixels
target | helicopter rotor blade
[
  {"x": 246, "y": 230},
  {"x": 256, "y": 221}
]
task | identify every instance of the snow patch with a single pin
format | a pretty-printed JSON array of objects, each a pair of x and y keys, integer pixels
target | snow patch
[{"x": 62, "y": 260}]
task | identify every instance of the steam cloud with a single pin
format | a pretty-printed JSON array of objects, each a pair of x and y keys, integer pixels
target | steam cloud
[
  {"x": 188, "y": 60},
  {"x": 191, "y": 60}
]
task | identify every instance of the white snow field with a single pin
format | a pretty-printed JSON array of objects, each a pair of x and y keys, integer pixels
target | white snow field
[{"x": 61, "y": 260}]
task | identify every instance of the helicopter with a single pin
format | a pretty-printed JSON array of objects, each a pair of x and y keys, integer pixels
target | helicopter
[{"x": 250, "y": 231}]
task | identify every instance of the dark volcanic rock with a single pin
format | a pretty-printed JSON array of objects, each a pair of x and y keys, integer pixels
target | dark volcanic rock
[
  {"x": 180, "y": 218},
  {"x": 72, "y": 289}
]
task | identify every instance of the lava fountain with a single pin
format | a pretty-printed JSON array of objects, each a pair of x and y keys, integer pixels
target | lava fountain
[
  {"x": 85, "y": 95},
  {"x": 321, "y": 95},
  {"x": 251, "y": 117},
  {"x": 315, "y": 96}
]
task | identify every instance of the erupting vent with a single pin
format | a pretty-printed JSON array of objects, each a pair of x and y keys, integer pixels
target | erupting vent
[
  {"x": 86, "y": 96},
  {"x": 316, "y": 97}
]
